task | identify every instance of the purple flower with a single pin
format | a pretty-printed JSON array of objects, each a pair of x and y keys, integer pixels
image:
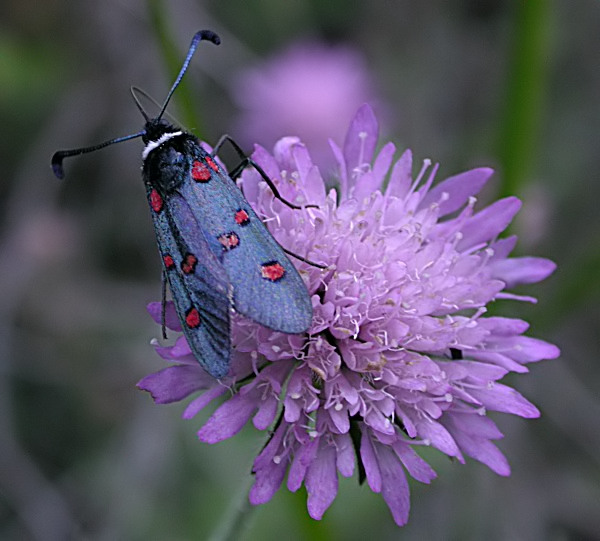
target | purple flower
[
  {"x": 309, "y": 90},
  {"x": 401, "y": 354}
]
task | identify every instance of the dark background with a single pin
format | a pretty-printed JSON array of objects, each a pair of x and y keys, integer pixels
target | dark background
[{"x": 83, "y": 454}]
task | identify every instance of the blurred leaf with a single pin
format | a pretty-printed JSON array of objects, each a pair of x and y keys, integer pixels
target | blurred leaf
[
  {"x": 26, "y": 73},
  {"x": 173, "y": 58},
  {"x": 526, "y": 82}
]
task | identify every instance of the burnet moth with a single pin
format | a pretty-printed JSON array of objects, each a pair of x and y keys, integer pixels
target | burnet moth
[{"x": 216, "y": 253}]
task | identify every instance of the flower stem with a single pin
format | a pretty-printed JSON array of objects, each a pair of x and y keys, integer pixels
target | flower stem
[{"x": 237, "y": 519}]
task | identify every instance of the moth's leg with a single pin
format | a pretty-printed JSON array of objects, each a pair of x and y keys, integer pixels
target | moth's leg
[
  {"x": 246, "y": 161},
  {"x": 163, "y": 317},
  {"x": 307, "y": 261}
]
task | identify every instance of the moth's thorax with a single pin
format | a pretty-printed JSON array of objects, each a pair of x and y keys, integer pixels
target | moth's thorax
[
  {"x": 156, "y": 134},
  {"x": 168, "y": 157},
  {"x": 157, "y": 143}
]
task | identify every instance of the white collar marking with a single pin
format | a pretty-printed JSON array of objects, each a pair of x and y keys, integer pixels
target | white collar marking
[{"x": 155, "y": 144}]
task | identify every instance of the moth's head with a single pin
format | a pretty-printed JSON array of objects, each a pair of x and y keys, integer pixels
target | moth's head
[{"x": 156, "y": 128}]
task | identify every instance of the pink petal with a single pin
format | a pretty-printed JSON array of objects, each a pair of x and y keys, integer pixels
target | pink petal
[
  {"x": 395, "y": 486},
  {"x": 372, "y": 181},
  {"x": 283, "y": 152},
  {"x": 359, "y": 145},
  {"x": 301, "y": 158},
  {"x": 478, "y": 371},
  {"x": 227, "y": 420},
  {"x": 302, "y": 460},
  {"x": 339, "y": 419},
  {"x": 269, "y": 469},
  {"x": 314, "y": 187},
  {"x": 401, "y": 176},
  {"x": 522, "y": 270},
  {"x": 457, "y": 190},
  {"x": 439, "y": 437},
  {"x": 487, "y": 224},
  {"x": 502, "y": 398},
  {"x": 267, "y": 161},
  {"x": 271, "y": 452},
  {"x": 499, "y": 359},
  {"x": 345, "y": 454},
  {"x": 203, "y": 400},
  {"x": 251, "y": 178},
  {"x": 414, "y": 464},
  {"x": 503, "y": 247},
  {"x": 485, "y": 452},
  {"x": 383, "y": 162},
  {"x": 525, "y": 349},
  {"x": 321, "y": 481},
  {"x": 266, "y": 413},
  {"x": 343, "y": 172},
  {"x": 503, "y": 326},
  {"x": 171, "y": 318},
  {"x": 267, "y": 482},
  {"x": 179, "y": 352},
  {"x": 514, "y": 297},
  {"x": 174, "y": 383},
  {"x": 369, "y": 461}
]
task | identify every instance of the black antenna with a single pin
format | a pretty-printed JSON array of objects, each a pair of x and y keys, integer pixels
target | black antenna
[
  {"x": 134, "y": 90},
  {"x": 59, "y": 156},
  {"x": 208, "y": 35}
]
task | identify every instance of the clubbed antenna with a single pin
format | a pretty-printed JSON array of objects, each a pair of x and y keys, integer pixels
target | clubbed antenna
[
  {"x": 58, "y": 157},
  {"x": 208, "y": 35}
]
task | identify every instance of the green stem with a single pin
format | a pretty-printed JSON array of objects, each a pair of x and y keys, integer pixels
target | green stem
[
  {"x": 238, "y": 518},
  {"x": 173, "y": 59},
  {"x": 528, "y": 65}
]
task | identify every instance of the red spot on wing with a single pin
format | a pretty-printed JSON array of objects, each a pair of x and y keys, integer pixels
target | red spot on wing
[
  {"x": 200, "y": 173},
  {"x": 188, "y": 265},
  {"x": 211, "y": 163},
  {"x": 229, "y": 240},
  {"x": 156, "y": 201},
  {"x": 272, "y": 271},
  {"x": 168, "y": 261},
  {"x": 192, "y": 318},
  {"x": 241, "y": 217}
]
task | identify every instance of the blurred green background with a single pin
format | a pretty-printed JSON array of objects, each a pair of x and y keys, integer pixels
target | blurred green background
[{"x": 83, "y": 454}]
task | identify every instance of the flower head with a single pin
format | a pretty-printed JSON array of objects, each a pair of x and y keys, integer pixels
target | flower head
[
  {"x": 400, "y": 355},
  {"x": 309, "y": 90}
]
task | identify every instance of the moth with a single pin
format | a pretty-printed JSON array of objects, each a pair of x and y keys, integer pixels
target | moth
[{"x": 216, "y": 253}]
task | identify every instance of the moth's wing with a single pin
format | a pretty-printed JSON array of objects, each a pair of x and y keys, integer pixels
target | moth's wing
[
  {"x": 206, "y": 289},
  {"x": 266, "y": 286}
]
